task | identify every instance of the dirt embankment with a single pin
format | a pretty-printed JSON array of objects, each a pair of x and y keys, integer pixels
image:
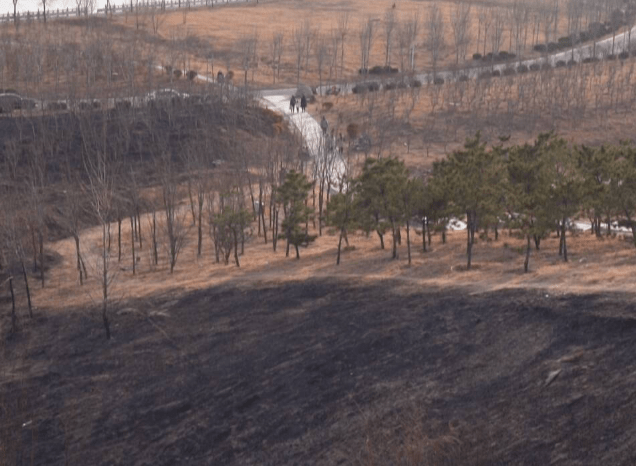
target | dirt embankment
[{"x": 307, "y": 373}]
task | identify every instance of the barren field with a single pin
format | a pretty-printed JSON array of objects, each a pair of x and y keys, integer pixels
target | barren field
[{"x": 326, "y": 372}]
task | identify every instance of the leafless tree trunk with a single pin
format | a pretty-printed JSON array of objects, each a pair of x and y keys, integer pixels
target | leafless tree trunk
[
  {"x": 498, "y": 27},
  {"x": 343, "y": 29},
  {"x": 389, "y": 28},
  {"x": 276, "y": 49},
  {"x": 249, "y": 55},
  {"x": 366, "y": 34},
  {"x": 298, "y": 44},
  {"x": 175, "y": 222},
  {"x": 460, "y": 24},
  {"x": 322, "y": 51},
  {"x": 435, "y": 41}
]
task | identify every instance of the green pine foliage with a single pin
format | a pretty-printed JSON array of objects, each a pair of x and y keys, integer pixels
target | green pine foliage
[
  {"x": 292, "y": 196},
  {"x": 535, "y": 189}
]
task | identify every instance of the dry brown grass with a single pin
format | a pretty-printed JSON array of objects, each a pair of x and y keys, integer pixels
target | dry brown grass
[
  {"x": 433, "y": 131},
  {"x": 224, "y": 27}
]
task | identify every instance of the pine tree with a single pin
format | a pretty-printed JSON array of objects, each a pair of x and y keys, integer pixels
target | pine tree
[
  {"x": 473, "y": 179},
  {"x": 341, "y": 214},
  {"x": 229, "y": 225},
  {"x": 528, "y": 186},
  {"x": 596, "y": 166},
  {"x": 379, "y": 197},
  {"x": 566, "y": 187},
  {"x": 292, "y": 195},
  {"x": 623, "y": 185}
]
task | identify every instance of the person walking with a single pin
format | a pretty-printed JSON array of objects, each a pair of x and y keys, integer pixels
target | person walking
[
  {"x": 292, "y": 104},
  {"x": 303, "y": 103},
  {"x": 324, "y": 125}
]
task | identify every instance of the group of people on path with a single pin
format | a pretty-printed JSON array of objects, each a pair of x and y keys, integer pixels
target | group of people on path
[
  {"x": 293, "y": 108},
  {"x": 294, "y": 102}
]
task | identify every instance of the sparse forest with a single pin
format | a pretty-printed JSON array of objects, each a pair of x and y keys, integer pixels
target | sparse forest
[{"x": 190, "y": 272}]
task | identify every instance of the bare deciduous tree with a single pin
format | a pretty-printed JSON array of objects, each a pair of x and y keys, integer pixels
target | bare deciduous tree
[
  {"x": 176, "y": 229},
  {"x": 249, "y": 56},
  {"x": 435, "y": 40},
  {"x": 389, "y": 28},
  {"x": 366, "y": 35},
  {"x": 460, "y": 23},
  {"x": 343, "y": 29},
  {"x": 321, "y": 52},
  {"x": 299, "y": 44},
  {"x": 276, "y": 49}
]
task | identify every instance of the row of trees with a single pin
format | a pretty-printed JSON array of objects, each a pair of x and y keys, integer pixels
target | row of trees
[
  {"x": 560, "y": 99},
  {"x": 99, "y": 55},
  {"x": 534, "y": 188}
]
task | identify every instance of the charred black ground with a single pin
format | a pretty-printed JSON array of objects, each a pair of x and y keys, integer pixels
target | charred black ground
[{"x": 303, "y": 373}]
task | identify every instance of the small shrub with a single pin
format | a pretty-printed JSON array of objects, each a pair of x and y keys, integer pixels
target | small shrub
[
  {"x": 168, "y": 69},
  {"x": 56, "y": 106},
  {"x": 122, "y": 105},
  {"x": 535, "y": 67},
  {"x": 177, "y": 73},
  {"x": 363, "y": 71},
  {"x": 28, "y": 104},
  {"x": 522, "y": 68},
  {"x": 488, "y": 56},
  {"x": 382, "y": 70},
  {"x": 360, "y": 88},
  {"x": 503, "y": 55},
  {"x": 572, "y": 63},
  {"x": 540, "y": 48},
  {"x": 590, "y": 60},
  {"x": 584, "y": 36},
  {"x": 353, "y": 131},
  {"x": 463, "y": 78},
  {"x": 438, "y": 80},
  {"x": 416, "y": 83},
  {"x": 373, "y": 86},
  {"x": 552, "y": 47},
  {"x": 476, "y": 56},
  {"x": 191, "y": 75},
  {"x": 496, "y": 73},
  {"x": 565, "y": 42},
  {"x": 509, "y": 71},
  {"x": 390, "y": 86},
  {"x": 560, "y": 64},
  {"x": 623, "y": 55},
  {"x": 230, "y": 75}
]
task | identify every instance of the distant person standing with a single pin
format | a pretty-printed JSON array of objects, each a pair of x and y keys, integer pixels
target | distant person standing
[
  {"x": 292, "y": 104},
  {"x": 324, "y": 125},
  {"x": 303, "y": 103}
]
